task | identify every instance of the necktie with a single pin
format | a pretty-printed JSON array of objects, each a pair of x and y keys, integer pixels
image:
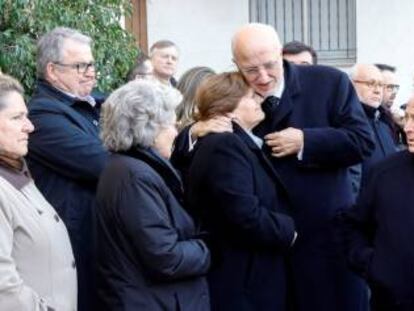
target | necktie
[{"x": 270, "y": 104}]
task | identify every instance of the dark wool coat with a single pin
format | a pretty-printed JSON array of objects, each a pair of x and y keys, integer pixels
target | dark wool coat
[
  {"x": 241, "y": 204},
  {"x": 149, "y": 257}
]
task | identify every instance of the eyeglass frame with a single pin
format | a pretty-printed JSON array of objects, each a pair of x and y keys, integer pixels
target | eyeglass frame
[
  {"x": 78, "y": 66},
  {"x": 254, "y": 71},
  {"x": 392, "y": 87},
  {"x": 371, "y": 84}
]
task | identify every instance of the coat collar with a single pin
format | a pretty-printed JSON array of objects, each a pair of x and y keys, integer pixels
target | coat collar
[
  {"x": 161, "y": 166},
  {"x": 277, "y": 120},
  {"x": 18, "y": 178},
  {"x": 292, "y": 88},
  {"x": 45, "y": 88},
  {"x": 241, "y": 133}
]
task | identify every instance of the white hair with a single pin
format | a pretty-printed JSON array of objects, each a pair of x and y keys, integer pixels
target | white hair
[{"x": 134, "y": 114}]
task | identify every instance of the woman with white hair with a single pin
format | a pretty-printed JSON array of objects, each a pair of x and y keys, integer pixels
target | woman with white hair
[{"x": 149, "y": 257}]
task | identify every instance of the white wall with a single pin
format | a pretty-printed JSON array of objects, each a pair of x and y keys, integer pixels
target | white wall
[
  {"x": 385, "y": 34},
  {"x": 201, "y": 28}
]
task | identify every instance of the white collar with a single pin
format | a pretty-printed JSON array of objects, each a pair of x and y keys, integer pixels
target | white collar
[{"x": 279, "y": 91}]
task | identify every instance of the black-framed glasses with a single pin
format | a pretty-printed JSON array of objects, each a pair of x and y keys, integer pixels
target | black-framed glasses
[
  {"x": 370, "y": 83},
  {"x": 392, "y": 87},
  {"x": 81, "y": 68}
]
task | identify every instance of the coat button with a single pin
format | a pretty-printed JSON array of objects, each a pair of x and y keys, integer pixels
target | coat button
[
  {"x": 39, "y": 212},
  {"x": 56, "y": 218}
]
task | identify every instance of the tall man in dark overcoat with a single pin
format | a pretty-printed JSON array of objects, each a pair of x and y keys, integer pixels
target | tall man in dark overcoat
[{"x": 314, "y": 129}]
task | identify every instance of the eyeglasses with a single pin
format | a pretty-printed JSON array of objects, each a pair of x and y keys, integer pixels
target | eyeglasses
[
  {"x": 370, "y": 84},
  {"x": 81, "y": 68},
  {"x": 392, "y": 87},
  {"x": 254, "y": 72}
]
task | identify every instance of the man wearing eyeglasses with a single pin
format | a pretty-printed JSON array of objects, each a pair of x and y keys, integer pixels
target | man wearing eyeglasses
[
  {"x": 313, "y": 130},
  {"x": 369, "y": 85},
  {"x": 391, "y": 86},
  {"x": 396, "y": 115},
  {"x": 66, "y": 155}
]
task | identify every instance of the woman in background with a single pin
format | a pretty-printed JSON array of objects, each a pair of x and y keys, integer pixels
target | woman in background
[{"x": 188, "y": 85}]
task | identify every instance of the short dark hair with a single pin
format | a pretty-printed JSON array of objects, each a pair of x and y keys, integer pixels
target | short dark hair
[
  {"x": 161, "y": 44},
  {"x": 139, "y": 67},
  {"x": 297, "y": 47},
  {"x": 385, "y": 67}
]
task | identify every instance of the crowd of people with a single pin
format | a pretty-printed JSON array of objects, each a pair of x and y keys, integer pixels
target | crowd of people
[{"x": 283, "y": 185}]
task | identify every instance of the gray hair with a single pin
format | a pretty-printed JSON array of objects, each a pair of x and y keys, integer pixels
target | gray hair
[
  {"x": 134, "y": 114},
  {"x": 8, "y": 84},
  {"x": 353, "y": 71},
  {"x": 50, "y": 46}
]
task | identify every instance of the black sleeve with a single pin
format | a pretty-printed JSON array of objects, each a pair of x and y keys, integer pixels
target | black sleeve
[{"x": 155, "y": 240}]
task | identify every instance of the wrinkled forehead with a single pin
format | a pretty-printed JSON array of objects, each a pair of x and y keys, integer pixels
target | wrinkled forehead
[
  {"x": 369, "y": 73},
  {"x": 169, "y": 50},
  {"x": 76, "y": 49},
  {"x": 257, "y": 53}
]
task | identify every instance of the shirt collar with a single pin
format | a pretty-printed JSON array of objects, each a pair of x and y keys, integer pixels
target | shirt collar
[
  {"x": 89, "y": 99},
  {"x": 257, "y": 140},
  {"x": 279, "y": 91}
]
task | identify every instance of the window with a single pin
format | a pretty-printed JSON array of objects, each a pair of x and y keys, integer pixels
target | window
[{"x": 329, "y": 26}]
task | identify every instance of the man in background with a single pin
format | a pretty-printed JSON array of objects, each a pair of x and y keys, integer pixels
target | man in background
[
  {"x": 299, "y": 53},
  {"x": 164, "y": 57}
]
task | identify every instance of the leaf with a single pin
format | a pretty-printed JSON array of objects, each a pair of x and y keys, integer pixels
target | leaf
[{"x": 22, "y": 22}]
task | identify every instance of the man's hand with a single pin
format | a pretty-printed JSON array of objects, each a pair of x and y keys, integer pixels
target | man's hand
[
  {"x": 217, "y": 124},
  {"x": 286, "y": 142}
]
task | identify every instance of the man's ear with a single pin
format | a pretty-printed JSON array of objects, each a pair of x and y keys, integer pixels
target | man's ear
[
  {"x": 237, "y": 65},
  {"x": 50, "y": 72}
]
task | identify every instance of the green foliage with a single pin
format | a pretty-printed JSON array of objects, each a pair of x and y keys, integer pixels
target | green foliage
[{"x": 22, "y": 22}]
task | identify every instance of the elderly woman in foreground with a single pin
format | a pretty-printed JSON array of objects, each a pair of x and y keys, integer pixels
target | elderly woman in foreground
[
  {"x": 240, "y": 201},
  {"x": 149, "y": 257},
  {"x": 37, "y": 268}
]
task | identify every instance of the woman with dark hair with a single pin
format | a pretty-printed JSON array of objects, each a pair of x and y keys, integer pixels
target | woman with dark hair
[
  {"x": 37, "y": 268},
  {"x": 239, "y": 202}
]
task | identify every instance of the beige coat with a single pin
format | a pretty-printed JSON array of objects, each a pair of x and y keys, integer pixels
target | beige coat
[{"x": 37, "y": 268}]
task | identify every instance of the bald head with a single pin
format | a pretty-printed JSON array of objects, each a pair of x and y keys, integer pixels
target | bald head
[
  {"x": 253, "y": 38},
  {"x": 360, "y": 71},
  {"x": 257, "y": 53},
  {"x": 367, "y": 80}
]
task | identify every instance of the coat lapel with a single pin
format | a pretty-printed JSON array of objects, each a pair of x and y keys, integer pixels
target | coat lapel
[
  {"x": 258, "y": 152},
  {"x": 278, "y": 119},
  {"x": 162, "y": 167}
]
